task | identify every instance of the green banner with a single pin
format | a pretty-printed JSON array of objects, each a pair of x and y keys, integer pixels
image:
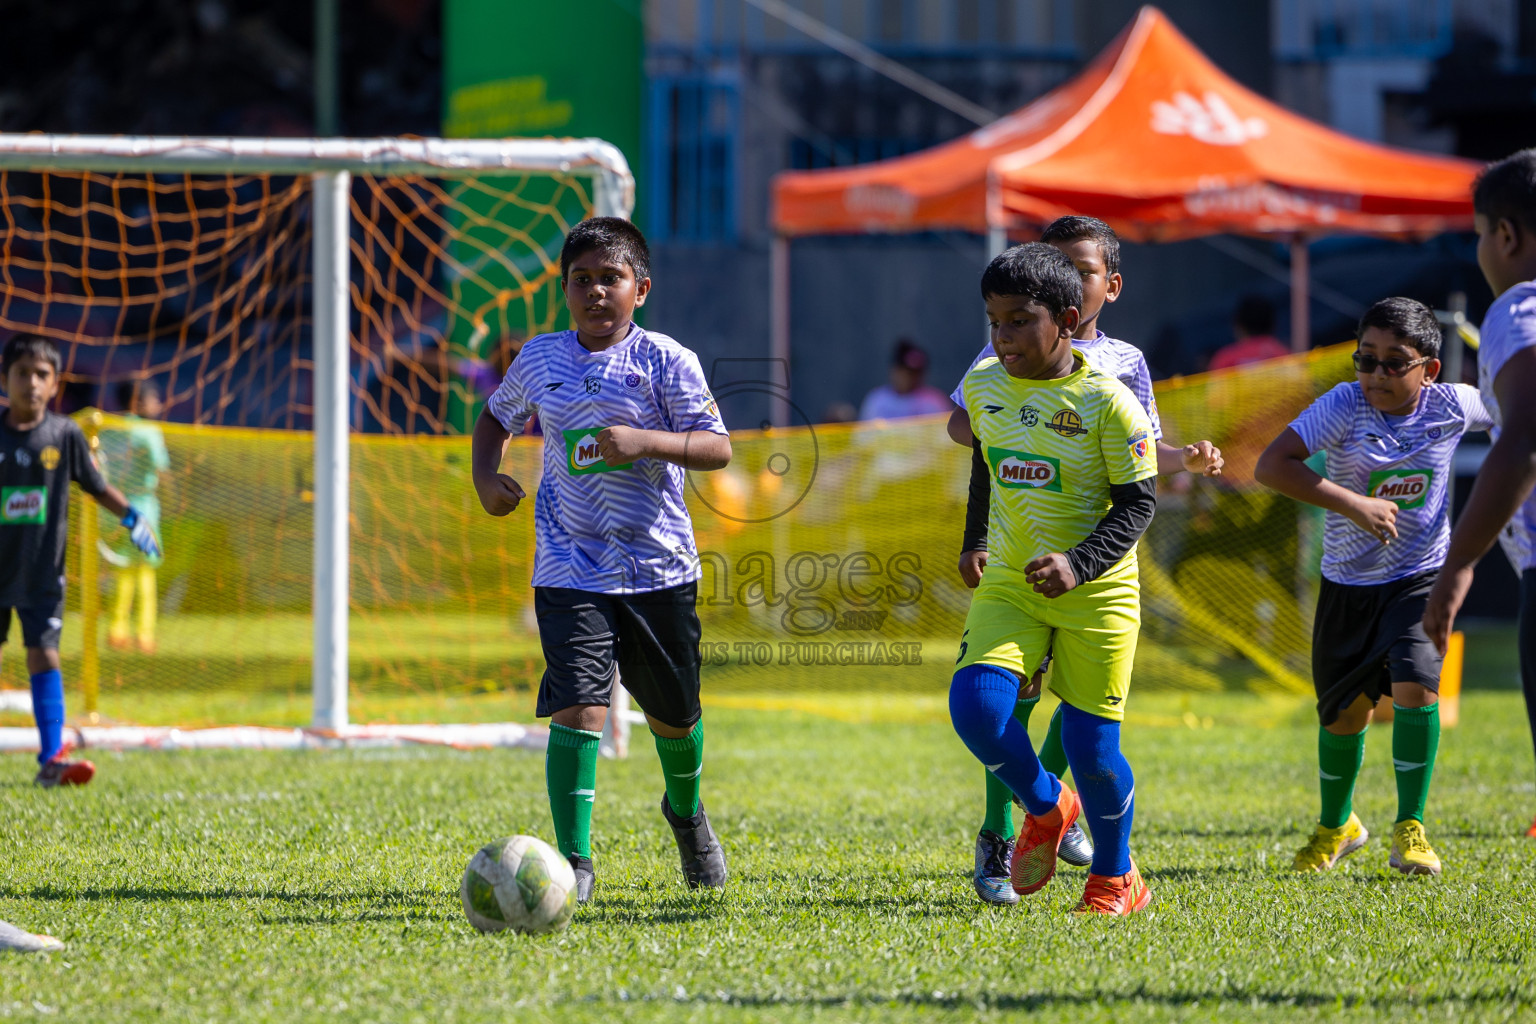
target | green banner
[{"x": 528, "y": 68}]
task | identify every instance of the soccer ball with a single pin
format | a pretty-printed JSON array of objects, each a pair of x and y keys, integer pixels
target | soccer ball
[{"x": 519, "y": 883}]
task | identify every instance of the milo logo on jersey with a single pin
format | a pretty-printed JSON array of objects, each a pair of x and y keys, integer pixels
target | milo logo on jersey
[
  {"x": 24, "y": 506},
  {"x": 1407, "y": 488},
  {"x": 1022, "y": 469},
  {"x": 582, "y": 455}
]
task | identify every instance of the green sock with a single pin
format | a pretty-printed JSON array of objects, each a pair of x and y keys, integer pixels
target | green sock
[
  {"x": 1338, "y": 763},
  {"x": 570, "y": 772},
  {"x": 1415, "y": 742},
  {"x": 999, "y": 817},
  {"x": 682, "y": 762},
  {"x": 1053, "y": 756}
]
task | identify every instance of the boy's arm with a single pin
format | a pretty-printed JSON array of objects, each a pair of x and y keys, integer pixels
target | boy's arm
[
  {"x": 498, "y": 493},
  {"x": 1503, "y": 483},
  {"x": 959, "y": 427},
  {"x": 1201, "y": 457},
  {"x": 978, "y": 502},
  {"x": 1283, "y": 468},
  {"x": 691, "y": 449},
  {"x": 1130, "y": 513}
]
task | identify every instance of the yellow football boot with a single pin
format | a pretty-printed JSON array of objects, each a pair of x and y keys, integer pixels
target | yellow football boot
[
  {"x": 1328, "y": 846},
  {"x": 1411, "y": 852}
]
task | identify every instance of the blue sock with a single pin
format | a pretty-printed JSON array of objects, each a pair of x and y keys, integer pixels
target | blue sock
[
  {"x": 981, "y": 703},
  {"x": 1105, "y": 783},
  {"x": 48, "y": 710}
]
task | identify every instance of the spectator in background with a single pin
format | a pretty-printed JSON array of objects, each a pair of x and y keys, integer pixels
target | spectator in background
[
  {"x": 908, "y": 393},
  {"x": 136, "y": 457},
  {"x": 1254, "y": 325}
]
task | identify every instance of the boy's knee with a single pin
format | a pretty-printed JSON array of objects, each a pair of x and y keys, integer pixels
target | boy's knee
[
  {"x": 1083, "y": 732},
  {"x": 1413, "y": 695},
  {"x": 982, "y": 699}
]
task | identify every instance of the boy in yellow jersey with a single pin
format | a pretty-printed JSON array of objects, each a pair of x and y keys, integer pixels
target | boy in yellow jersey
[{"x": 1071, "y": 459}]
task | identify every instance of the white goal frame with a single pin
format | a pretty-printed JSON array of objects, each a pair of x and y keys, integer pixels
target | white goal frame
[{"x": 331, "y": 164}]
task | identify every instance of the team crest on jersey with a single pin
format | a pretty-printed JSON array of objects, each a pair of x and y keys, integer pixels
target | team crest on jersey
[
  {"x": 1406, "y": 488},
  {"x": 1139, "y": 443},
  {"x": 1025, "y": 469},
  {"x": 49, "y": 457},
  {"x": 582, "y": 455},
  {"x": 632, "y": 381},
  {"x": 1067, "y": 423},
  {"x": 1029, "y": 415},
  {"x": 24, "y": 506},
  {"x": 1433, "y": 433}
]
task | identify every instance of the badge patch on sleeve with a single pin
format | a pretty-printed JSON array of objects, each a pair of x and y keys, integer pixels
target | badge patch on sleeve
[
  {"x": 1139, "y": 443},
  {"x": 582, "y": 455}
]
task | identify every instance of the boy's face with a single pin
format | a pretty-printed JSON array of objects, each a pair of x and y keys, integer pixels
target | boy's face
[
  {"x": 1026, "y": 340},
  {"x": 1500, "y": 246},
  {"x": 1100, "y": 287},
  {"x": 30, "y": 384},
  {"x": 1393, "y": 395},
  {"x": 601, "y": 292}
]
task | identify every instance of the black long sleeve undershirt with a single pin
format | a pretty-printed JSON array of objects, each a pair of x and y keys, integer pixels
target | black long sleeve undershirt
[{"x": 1130, "y": 512}]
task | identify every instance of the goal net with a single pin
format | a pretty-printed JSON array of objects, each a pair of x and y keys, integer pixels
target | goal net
[{"x": 321, "y": 321}]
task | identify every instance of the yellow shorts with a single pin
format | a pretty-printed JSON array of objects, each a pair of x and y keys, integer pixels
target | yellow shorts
[{"x": 1090, "y": 630}]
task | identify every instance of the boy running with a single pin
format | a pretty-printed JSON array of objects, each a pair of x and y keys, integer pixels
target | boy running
[
  {"x": 615, "y": 575},
  {"x": 1094, "y": 249},
  {"x": 1390, "y": 436},
  {"x": 40, "y": 453},
  {"x": 1072, "y": 455},
  {"x": 1504, "y": 213}
]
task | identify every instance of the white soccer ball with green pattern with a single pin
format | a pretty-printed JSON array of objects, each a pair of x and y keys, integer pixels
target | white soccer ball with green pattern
[{"x": 519, "y": 883}]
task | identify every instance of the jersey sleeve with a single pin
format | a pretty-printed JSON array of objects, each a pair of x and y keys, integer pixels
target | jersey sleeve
[
  {"x": 686, "y": 401},
  {"x": 1140, "y": 383},
  {"x": 1326, "y": 422},
  {"x": 958, "y": 395},
  {"x": 1475, "y": 414},
  {"x": 82, "y": 464},
  {"x": 1125, "y": 438},
  {"x": 509, "y": 403},
  {"x": 1510, "y": 327}
]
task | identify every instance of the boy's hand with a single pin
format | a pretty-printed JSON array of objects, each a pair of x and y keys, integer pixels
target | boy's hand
[
  {"x": 1376, "y": 516},
  {"x": 621, "y": 445},
  {"x": 499, "y": 494},
  {"x": 1204, "y": 458},
  {"x": 1444, "y": 602},
  {"x": 972, "y": 563},
  {"x": 1051, "y": 574},
  {"x": 141, "y": 533}
]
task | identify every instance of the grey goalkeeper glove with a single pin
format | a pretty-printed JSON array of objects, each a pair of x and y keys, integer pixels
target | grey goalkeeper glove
[{"x": 141, "y": 533}]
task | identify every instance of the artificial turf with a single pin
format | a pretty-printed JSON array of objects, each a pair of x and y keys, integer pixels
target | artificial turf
[{"x": 288, "y": 886}]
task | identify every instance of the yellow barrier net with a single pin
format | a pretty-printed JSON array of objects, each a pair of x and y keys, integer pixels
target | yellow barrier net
[{"x": 829, "y": 560}]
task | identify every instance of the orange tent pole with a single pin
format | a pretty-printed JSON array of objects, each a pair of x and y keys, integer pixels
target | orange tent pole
[{"x": 1301, "y": 328}]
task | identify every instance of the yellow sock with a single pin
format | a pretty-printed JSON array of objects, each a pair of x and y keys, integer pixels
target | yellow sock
[
  {"x": 122, "y": 604},
  {"x": 149, "y": 605}
]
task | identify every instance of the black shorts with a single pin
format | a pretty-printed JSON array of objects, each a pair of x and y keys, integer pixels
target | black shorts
[
  {"x": 1365, "y": 638},
  {"x": 652, "y": 639},
  {"x": 40, "y": 624}
]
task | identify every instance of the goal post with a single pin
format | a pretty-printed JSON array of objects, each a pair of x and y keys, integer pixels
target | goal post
[{"x": 330, "y": 165}]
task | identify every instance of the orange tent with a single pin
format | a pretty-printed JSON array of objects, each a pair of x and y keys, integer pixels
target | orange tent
[{"x": 1153, "y": 138}]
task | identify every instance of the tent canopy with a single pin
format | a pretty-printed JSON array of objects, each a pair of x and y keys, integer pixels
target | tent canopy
[{"x": 1155, "y": 139}]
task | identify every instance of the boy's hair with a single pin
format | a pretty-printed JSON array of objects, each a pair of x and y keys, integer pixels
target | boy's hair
[
  {"x": 19, "y": 346},
  {"x": 1077, "y": 229},
  {"x": 612, "y": 236},
  {"x": 1255, "y": 315},
  {"x": 1038, "y": 271},
  {"x": 1409, "y": 320},
  {"x": 128, "y": 389},
  {"x": 1506, "y": 190}
]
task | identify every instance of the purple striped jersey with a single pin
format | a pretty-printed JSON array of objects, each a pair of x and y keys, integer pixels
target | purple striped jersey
[
  {"x": 1404, "y": 459},
  {"x": 1107, "y": 355},
  {"x": 601, "y": 528},
  {"x": 1508, "y": 327}
]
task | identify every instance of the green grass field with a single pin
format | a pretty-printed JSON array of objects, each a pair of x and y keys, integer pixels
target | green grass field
[{"x": 260, "y": 886}]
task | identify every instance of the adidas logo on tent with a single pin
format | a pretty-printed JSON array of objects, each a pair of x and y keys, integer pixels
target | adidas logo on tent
[{"x": 1211, "y": 121}]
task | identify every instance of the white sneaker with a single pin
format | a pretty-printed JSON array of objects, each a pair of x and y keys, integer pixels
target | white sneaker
[{"x": 18, "y": 941}]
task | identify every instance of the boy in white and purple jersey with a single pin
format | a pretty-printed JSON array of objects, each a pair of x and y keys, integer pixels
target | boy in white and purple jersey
[
  {"x": 1391, "y": 437},
  {"x": 624, "y": 412},
  {"x": 1502, "y": 505},
  {"x": 1094, "y": 250}
]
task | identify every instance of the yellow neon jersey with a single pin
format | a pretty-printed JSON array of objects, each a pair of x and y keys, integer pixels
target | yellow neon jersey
[{"x": 1054, "y": 448}]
